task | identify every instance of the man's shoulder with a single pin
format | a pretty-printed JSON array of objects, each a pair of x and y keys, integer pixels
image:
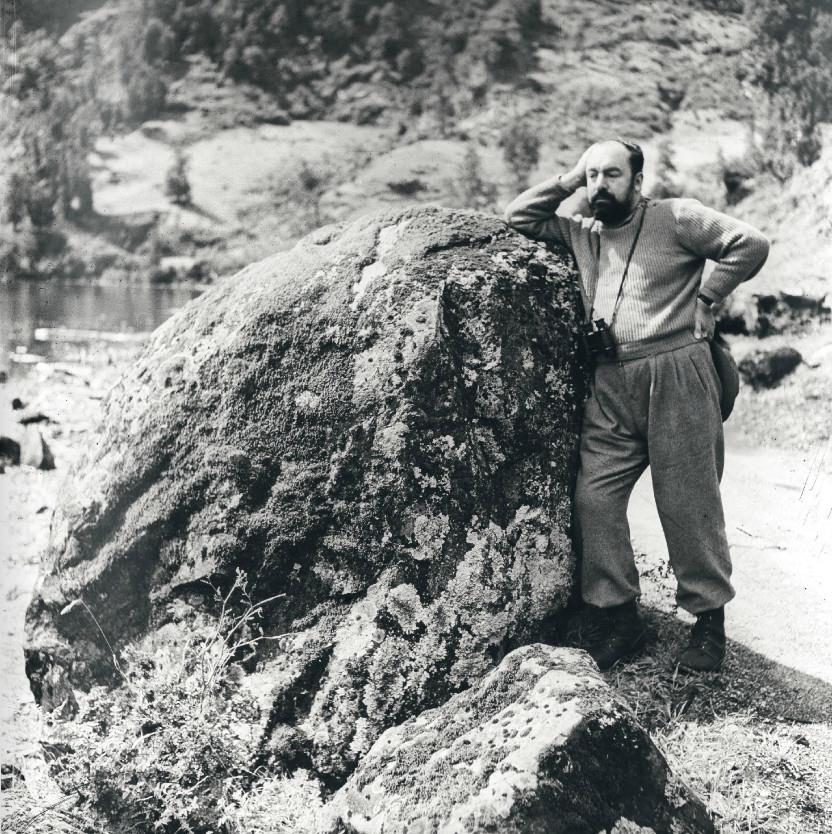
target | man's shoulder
[{"x": 675, "y": 206}]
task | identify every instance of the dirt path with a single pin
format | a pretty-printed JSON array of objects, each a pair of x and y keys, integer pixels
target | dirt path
[{"x": 778, "y": 507}]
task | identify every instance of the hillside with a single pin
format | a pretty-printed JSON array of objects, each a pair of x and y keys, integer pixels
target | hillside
[
  {"x": 486, "y": 109},
  {"x": 373, "y": 131},
  {"x": 493, "y": 96}
]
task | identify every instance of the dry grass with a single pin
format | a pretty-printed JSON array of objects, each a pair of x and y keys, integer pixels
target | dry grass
[
  {"x": 21, "y": 812},
  {"x": 754, "y": 740},
  {"x": 755, "y": 777}
]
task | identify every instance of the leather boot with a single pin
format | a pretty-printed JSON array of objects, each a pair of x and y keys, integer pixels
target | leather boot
[
  {"x": 706, "y": 648},
  {"x": 593, "y": 627},
  {"x": 626, "y": 637}
]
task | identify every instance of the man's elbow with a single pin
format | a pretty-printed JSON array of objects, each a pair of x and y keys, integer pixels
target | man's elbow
[
  {"x": 757, "y": 247},
  {"x": 511, "y": 216},
  {"x": 761, "y": 246}
]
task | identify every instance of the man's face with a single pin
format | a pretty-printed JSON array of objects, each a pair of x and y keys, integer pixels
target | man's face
[{"x": 612, "y": 189}]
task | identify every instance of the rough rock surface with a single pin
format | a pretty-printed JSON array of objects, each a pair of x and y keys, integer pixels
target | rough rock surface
[
  {"x": 539, "y": 745},
  {"x": 379, "y": 424}
]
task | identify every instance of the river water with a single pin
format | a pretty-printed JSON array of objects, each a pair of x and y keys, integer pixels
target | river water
[{"x": 60, "y": 320}]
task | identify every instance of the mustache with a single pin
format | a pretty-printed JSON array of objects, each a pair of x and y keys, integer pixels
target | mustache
[{"x": 602, "y": 195}]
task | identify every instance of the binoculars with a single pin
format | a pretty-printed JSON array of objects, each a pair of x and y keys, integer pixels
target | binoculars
[{"x": 598, "y": 340}]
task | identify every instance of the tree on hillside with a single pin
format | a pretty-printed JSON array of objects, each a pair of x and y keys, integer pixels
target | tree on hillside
[
  {"x": 50, "y": 177},
  {"x": 177, "y": 185},
  {"x": 310, "y": 182},
  {"x": 794, "y": 38},
  {"x": 14, "y": 203},
  {"x": 146, "y": 94},
  {"x": 504, "y": 35},
  {"x": 664, "y": 185},
  {"x": 472, "y": 189},
  {"x": 520, "y": 142}
]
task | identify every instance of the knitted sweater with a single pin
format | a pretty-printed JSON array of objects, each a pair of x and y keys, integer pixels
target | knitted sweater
[{"x": 677, "y": 237}]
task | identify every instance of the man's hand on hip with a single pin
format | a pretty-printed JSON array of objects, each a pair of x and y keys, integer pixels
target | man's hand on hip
[{"x": 704, "y": 321}]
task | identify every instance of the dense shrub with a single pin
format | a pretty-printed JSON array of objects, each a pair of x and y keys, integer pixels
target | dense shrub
[
  {"x": 665, "y": 175},
  {"x": 520, "y": 142},
  {"x": 146, "y": 94},
  {"x": 177, "y": 185},
  {"x": 471, "y": 188},
  {"x": 153, "y": 45},
  {"x": 794, "y": 70},
  {"x": 302, "y": 51}
]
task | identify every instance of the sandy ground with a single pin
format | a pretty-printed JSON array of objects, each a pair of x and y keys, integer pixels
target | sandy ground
[
  {"x": 778, "y": 508},
  {"x": 72, "y": 399}
]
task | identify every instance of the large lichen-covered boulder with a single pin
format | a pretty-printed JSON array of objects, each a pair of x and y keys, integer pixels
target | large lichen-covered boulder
[
  {"x": 538, "y": 745},
  {"x": 379, "y": 425}
]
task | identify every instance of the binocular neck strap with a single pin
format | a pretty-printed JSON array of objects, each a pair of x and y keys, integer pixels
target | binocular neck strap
[{"x": 619, "y": 295}]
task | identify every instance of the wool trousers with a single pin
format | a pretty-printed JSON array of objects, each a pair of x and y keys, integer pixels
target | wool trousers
[{"x": 657, "y": 405}]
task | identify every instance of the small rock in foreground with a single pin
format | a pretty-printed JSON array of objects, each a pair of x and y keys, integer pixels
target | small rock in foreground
[
  {"x": 26, "y": 448},
  {"x": 539, "y": 744}
]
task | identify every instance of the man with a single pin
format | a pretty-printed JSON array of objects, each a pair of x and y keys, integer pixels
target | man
[{"x": 655, "y": 394}]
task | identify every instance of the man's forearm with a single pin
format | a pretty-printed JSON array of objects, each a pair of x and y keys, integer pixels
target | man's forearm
[{"x": 533, "y": 211}]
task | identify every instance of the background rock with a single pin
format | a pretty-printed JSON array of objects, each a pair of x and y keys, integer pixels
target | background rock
[
  {"x": 765, "y": 368},
  {"x": 540, "y": 744},
  {"x": 9, "y": 450},
  {"x": 766, "y": 314},
  {"x": 379, "y": 424},
  {"x": 34, "y": 450}
]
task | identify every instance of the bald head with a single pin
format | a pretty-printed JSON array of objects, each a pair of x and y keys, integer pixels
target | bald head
[{"x": 614, "y": 148}]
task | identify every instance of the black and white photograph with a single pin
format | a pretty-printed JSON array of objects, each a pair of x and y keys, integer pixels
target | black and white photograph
[{"x": 416, "y": 417}]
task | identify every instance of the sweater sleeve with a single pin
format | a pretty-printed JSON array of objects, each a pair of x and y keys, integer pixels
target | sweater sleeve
[
  {"x": 533, "y": 213},
  {"x": 739, "y": 250}
]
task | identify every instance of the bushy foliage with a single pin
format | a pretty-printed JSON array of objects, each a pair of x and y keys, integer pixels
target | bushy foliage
[
  {"x": 51, "y": 176},
  {"x": 502, "y": 38},
  {"x": 286, "y": 46},
  {"x": 520, "y": 142},
  {"x": 146, "y": 94},
  {"x": 55, "y": 130},
  {"x": 170, "y": 748},
  {"x": 177, "y": 185},
  {"x": 665, "y": 185},
  {"x": 794, "y": 42},
  {"x": 471, "y": 188},
  {"x": 738, "y": 171},
  {"x": 278, "y": 805}
]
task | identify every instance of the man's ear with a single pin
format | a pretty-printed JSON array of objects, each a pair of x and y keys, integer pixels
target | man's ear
[{"x": 638, "y": 179}]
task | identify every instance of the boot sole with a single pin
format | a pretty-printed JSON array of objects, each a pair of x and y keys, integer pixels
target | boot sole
[{"x": 692, "y": 670}]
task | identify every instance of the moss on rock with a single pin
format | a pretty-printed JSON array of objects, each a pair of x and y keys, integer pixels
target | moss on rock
[
  {"x": 379, "y": 424},
  {"x": 540, "y": 744}
]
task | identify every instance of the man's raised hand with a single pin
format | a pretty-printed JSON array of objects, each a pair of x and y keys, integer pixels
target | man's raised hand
[{"x": 576, "y": 178}]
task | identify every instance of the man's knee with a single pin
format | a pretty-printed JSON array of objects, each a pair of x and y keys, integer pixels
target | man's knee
[{"x": 594, "y": 497}]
